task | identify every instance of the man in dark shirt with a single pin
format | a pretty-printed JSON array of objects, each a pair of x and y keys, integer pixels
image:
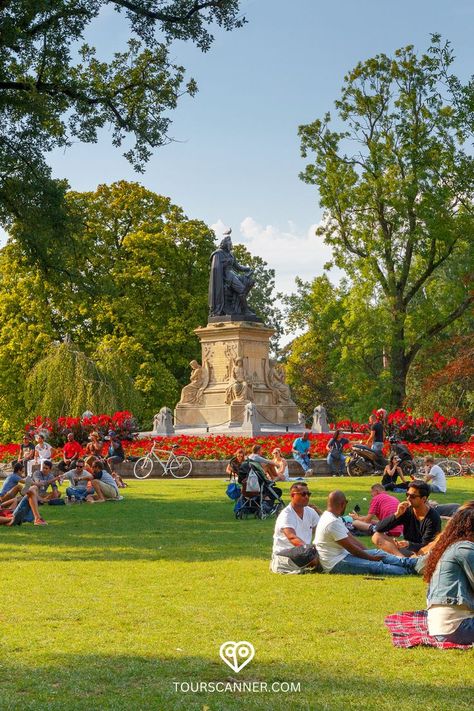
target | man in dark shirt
[
  {"x": 421, "y": 523},
  {"x": 375, "y": 440}
]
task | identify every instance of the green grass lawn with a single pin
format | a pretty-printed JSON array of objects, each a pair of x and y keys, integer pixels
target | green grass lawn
[{"x": 110, "y": 604}]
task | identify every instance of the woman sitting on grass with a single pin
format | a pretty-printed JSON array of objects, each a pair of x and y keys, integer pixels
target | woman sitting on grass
[
  {"x": 391, "y": 473},
  {"x": 450, "y": 573}
]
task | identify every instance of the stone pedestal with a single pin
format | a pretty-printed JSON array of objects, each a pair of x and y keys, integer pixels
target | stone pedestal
[{"x": 236, "y": 369}]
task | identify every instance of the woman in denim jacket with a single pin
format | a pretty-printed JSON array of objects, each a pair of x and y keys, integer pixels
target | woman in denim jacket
[{"x": 450, "y": 573}]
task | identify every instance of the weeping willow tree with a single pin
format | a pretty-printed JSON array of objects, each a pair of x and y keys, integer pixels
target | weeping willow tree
[{"x": 66, "y": 382}]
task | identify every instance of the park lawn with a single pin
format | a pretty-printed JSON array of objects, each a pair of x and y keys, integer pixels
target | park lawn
[{"x": 110, "y": 604}]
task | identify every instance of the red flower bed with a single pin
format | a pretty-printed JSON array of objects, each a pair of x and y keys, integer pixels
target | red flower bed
[
  {"x": 224, "y": 447},
  {"x": 439, "y": 435},
  {"x": 436, "y": 429}
]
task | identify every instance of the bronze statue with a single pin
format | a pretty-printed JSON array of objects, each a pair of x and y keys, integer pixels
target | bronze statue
[{"x": 229, "y": 283}]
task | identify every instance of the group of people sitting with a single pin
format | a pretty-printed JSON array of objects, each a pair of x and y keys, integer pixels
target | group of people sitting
[
  {"x": 308, "y": 540},
  {"x": 90, "y": 476}
]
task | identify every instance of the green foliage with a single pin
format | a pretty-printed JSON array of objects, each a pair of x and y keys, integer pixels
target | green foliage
[
  {"x": 65, "y": 382},
  {"x": 127, "y": 290},
  {"x": 397, "y": 187},
  {"x": 55, "y": 90}
]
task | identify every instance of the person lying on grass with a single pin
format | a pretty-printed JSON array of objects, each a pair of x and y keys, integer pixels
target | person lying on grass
[
  {"x": 23, "y": 509},
  {"x": 295, "y": 526},
  {"x": 421, "y": 524},
  {"x": 103, "y": 484},
  {"x": 381, "y": 506},
  {"x": 340, "y": 552}
]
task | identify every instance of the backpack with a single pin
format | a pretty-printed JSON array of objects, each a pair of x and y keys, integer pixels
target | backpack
[
  {"x": 233, "y": 491},
  {"x": 252, "y": 485}
]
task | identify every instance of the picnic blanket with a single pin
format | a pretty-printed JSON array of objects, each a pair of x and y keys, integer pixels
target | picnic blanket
[{"x": 410, "y": 629}]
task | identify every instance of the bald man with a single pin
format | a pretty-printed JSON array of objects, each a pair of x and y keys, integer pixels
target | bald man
[{"x": 340, "y": 552}]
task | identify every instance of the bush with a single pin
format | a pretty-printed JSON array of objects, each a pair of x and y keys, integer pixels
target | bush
[{"x": 55, "y": 431}]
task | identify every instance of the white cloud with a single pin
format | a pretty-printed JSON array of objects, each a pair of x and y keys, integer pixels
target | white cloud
[{"x": 289, "y": 252}]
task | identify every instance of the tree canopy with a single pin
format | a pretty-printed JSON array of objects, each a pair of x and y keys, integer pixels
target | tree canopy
[
  {"x": 55, "y": 88},
  {"x": 397, "y": 183},
  {"x": 128, "y": 288}
]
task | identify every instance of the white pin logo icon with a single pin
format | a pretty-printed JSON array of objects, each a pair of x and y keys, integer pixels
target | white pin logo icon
[{"x": 237, "y": 654}]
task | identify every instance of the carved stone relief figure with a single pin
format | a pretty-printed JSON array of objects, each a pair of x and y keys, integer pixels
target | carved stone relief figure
[
  {"x": 198, "y": 382},
  {"x": 275, "y": 381},
  {"x": 230, "y": 352},
  {"x": 240, "y": 387}
]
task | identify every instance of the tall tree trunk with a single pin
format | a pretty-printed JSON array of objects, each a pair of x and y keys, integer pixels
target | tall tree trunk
[{"x": 398, "y": 361}]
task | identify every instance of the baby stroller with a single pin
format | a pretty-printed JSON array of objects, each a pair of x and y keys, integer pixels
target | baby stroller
[{"x": 262, "y": 499}]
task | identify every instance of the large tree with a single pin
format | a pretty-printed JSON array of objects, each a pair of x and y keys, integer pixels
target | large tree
[
  {"x": 54, "y": 89},
  {"x": 127, "y": 290},
  {"x": 397, "y": 184}
]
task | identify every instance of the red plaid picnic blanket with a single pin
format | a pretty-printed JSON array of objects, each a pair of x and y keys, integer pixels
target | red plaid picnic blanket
[{"x": 410, "y": 629}]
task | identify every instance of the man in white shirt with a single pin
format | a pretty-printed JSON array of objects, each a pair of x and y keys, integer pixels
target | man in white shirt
[
  {"x": 340, "y": 552},
  {"x": 436, "y": 477},
  {"x": 295, "y": 526}
]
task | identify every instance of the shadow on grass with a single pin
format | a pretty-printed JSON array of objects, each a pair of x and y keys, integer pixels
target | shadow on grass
[
  {"x": 139, "y": 528},
  {"x": 142, "y": 682}
]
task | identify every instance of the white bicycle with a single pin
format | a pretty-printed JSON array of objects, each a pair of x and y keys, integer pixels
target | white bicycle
[{"x": 178, "y": 465}]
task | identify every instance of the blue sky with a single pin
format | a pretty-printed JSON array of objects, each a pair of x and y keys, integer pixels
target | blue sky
[{"x": 237, "y": 159}]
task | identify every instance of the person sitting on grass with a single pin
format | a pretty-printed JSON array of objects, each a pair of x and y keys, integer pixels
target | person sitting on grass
[
  {"x": 340, "y": 552},
  {"x": 421, "y": 524},
  {"x": 300, "y": 452},
  {"x": 79, "y": 478},
  {"x": 435, "y": 477},
  {"x": 22, "y": 509},
  {"x": 13, "y": 479},
  {"x": 103, "y": 484},
  {"x": 295, "y": 526},
  {"x": 71, "y": 451},
  {"x": 381, "y": 506},
  {"x": 392, "y": 473},
  {"x": 449, "y": 572},
  {"x": 44, "y": 479},
  {"x": 232, "y": 469}
]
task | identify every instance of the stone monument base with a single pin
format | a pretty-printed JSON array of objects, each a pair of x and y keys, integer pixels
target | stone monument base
[{"x": 236, "y": 370}]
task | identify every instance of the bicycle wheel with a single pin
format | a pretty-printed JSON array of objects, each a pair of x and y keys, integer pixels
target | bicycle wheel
[
  {"x": 450, "y": 467},
  {"x": 143, "y": 467},
  {"x": 354, "y": 468},
  {"x": 180, "y": 467}
]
